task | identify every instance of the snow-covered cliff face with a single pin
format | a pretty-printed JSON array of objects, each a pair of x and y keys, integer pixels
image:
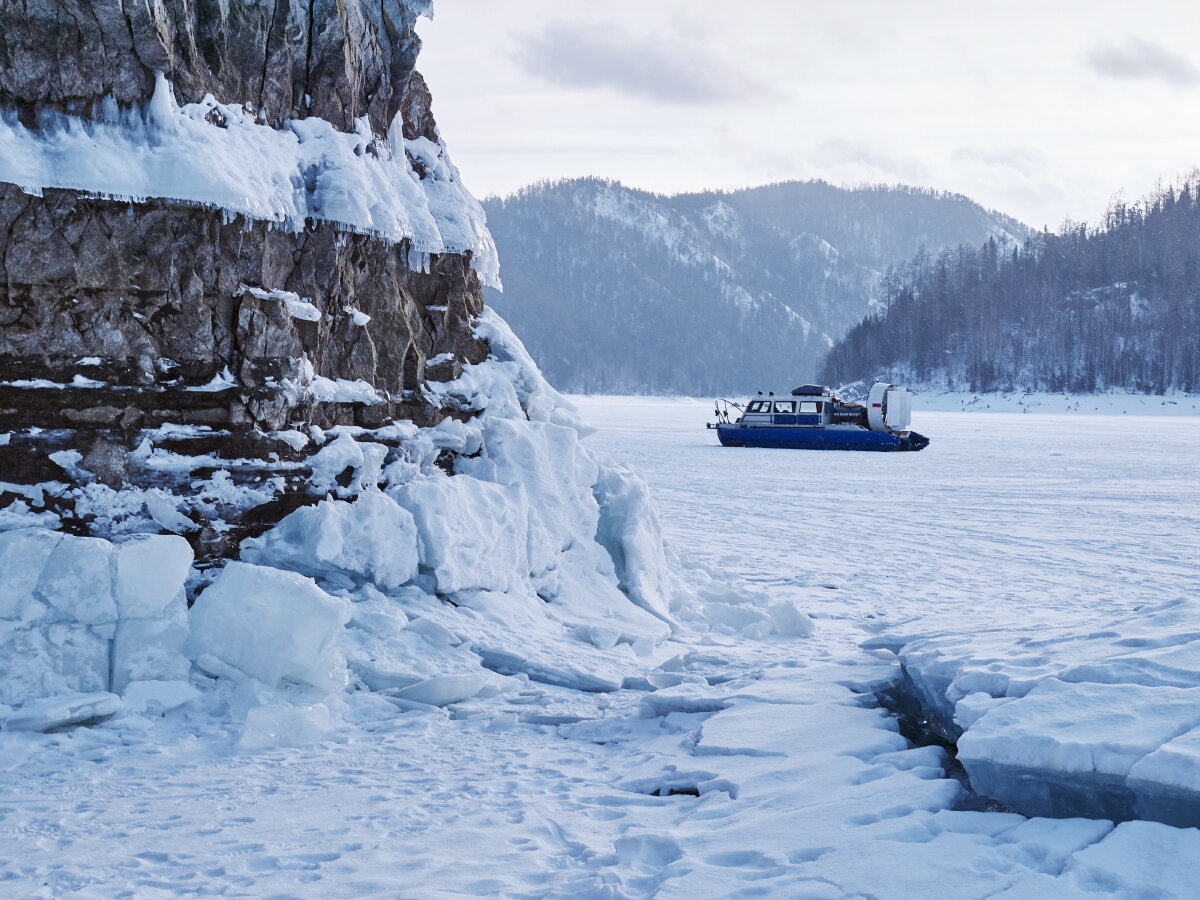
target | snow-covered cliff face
[
  {"x": 218, "y": 222},
  {"x": 444, "y": 561},
  {"x": 260, "y": 441}
]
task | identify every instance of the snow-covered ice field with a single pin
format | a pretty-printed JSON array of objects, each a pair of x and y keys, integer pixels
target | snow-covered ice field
[
  {"x": 1045, "y": 560},
  {"x": 1005, "y": 516}
]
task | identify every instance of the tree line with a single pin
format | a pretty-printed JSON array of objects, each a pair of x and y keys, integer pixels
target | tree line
[{"x": 1114, "y": 306}]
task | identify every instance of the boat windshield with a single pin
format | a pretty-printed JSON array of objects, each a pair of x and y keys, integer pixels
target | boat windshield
[{"x": 759, "y": 406}]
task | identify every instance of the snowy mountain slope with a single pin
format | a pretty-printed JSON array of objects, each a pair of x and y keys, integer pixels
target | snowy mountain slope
[{"x": 620, "y": 290}]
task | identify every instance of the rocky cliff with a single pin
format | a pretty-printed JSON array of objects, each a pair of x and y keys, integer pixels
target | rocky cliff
[
  {"x": 149, "y": 299},
  {"x": 337, "y": 60}
]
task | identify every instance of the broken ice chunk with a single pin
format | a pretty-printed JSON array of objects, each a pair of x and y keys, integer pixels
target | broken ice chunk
[
  {"x": 442, "y": 690},
  {"x": 151, "y": 571},
  {"x": 64, "y": 710},
  {"x": 222, "y": 381},
  {"x": 1167, "y": 782},
  {"x": 153, "y": 698},
  {"x": 285, "y": 726},
  {"x": 372, "y": 538},
  {"x": 474, "y": 534},
  {"x": 150, "y": 649},
  {"x": 162, "y": 508},
  {"x": 23, "y": 555},
  {"x": 77, "y": 580},
  {"x": 301, "y": 309},
  {"x": 358, "y": 318},
  {"x": 271, "y": 625},
  {"x": 41, "y": 660},
  {"x": 1068, "y": 749}
]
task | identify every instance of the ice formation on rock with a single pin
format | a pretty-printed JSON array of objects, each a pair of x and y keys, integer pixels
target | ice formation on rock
[
  {"x": 529, "y": 557},
  {"x": 302, "y": 171}
]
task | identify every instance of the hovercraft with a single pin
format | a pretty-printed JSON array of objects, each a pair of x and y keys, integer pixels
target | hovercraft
[{"x": 812, "y": 418}]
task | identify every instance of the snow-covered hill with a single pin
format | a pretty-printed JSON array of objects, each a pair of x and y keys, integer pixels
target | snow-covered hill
[
  {"x": 618, "y": 290},
  {"x": 1111, "y": 306}
]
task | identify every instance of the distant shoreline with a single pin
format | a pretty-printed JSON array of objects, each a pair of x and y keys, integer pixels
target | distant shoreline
[{"x": 1005, "y": 402}]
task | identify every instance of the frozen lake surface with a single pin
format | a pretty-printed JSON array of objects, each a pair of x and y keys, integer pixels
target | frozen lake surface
[
  {"x": 1046, "y": 560},
  {"x": 1005, "y": 516}
]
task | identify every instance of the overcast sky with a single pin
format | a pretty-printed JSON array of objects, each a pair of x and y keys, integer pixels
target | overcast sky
[{"x": 1042, "y": 110}]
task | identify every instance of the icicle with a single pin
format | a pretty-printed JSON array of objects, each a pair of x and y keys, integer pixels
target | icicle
[
  {"x": 110, "y": 111},
  {"x": 162, "y": 112}
]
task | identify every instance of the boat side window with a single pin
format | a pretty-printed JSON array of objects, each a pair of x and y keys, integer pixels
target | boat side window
[
  {"x": 810, "y": 407},
  {"x": 785, "y": 406}
]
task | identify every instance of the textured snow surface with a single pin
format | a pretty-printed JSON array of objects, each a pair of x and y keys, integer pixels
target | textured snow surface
[
  {"x": 564, "y": 738},
  {"x": 305, "y": 170}
]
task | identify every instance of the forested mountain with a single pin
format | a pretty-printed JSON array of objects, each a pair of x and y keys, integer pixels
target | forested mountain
[
  {"x": 618, "y": 290},
  {"x": 1086, "y": 309}
]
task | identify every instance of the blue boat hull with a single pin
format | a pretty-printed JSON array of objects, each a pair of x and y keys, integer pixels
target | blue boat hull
[{"x": 819, "y": 438}]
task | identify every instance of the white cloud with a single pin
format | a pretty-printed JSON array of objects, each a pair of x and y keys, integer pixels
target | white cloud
[
  {"x": 656, "y": 68},
  {"x": 1140, "y": 59}
]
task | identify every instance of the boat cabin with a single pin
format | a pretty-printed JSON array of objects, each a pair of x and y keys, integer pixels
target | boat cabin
[
  {"x": 808, "y": 404},
  {"x": 795, "y": 411}
]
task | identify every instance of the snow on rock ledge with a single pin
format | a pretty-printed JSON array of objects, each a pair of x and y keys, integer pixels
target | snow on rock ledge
[{"x": 304, "y": 170}]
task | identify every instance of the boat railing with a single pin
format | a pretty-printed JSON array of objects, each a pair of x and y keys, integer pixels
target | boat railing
[{"x": 721, "y": 410}]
